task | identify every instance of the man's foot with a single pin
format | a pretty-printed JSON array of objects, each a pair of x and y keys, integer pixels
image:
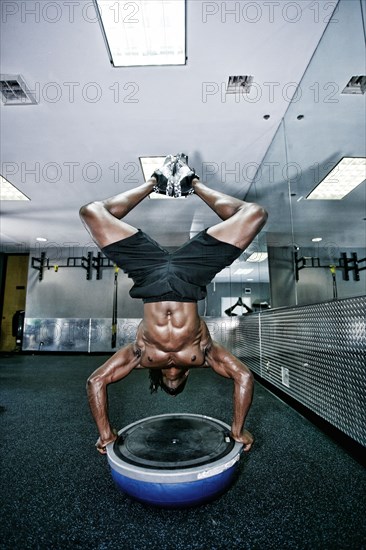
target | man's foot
[
  {"x": 165, "y": 177},
  {"x": 175, "y": 177},
  {"x": 184, "y": 176}
]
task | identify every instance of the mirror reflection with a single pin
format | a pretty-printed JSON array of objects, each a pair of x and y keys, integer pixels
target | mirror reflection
[{"x": 316, "y": 247}]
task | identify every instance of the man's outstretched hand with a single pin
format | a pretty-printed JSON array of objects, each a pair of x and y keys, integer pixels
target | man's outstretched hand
[
  {"x": 101, "y": 444},
  {"x": 245, "y": 438}
]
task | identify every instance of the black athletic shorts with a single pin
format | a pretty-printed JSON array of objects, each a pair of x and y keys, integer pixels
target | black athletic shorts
[{"x": 179, "y": 276}]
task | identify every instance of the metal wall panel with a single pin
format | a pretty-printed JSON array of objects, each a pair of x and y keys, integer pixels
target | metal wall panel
[
  {"x": 56, "y": 335},
  {"x": 246, "y": 341},
  {"x": 76, "y": 335},
  {"x": 316, "y": 354},
  {"x": 95, "y": 335}
]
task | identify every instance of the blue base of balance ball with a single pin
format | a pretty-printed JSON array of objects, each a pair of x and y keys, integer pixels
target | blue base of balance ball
[{"x": 175, "y": 495}]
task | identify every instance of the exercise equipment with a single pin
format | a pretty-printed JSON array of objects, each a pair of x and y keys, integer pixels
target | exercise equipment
[
  {"x": 174, "y": 460},
  {"x": 114, "y": 313},
  {"x": 230, "y": 310},
  {"x": 334, "y": 280}
]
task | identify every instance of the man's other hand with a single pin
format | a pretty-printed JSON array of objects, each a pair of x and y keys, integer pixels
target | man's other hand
[
  {"x": 245, "y": 438},
  {"x": 101, "y": 444}
]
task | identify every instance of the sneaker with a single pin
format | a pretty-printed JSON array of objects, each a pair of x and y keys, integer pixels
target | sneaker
[
  {"x": 165, "y": 177},
  {"x": 184, "y": 175}
]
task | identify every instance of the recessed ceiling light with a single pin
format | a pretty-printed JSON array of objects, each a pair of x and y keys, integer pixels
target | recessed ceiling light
[
  {"x": 41, "y": 239},
  {"x": 8, "y": 192},
  {"x": 142, "y": 32},
  {"x": 345, "y": 176},
  {"x": 149, "y": 165},
  {"x": 257, "y": 257},
  {"x": 250, "y": 280},
  {"x": 317, "y": 239}
]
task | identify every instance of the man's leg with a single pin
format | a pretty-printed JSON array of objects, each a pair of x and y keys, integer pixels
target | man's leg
[
  {"x": 103, "y": 218},
  {"x": 242, "y": 220}
]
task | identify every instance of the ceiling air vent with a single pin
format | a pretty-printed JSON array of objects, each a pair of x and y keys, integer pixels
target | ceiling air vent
[
  {"x": 14, "y": 91},
  {"x": 239, "y": 84},
  {"x": 356, "y": 85}
]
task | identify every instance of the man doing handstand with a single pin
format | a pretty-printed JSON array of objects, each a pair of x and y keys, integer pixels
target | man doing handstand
[{"x": 172, "y": 338}]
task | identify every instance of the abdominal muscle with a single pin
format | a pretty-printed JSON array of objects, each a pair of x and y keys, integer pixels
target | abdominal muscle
[{"x": 172, "y": 334}]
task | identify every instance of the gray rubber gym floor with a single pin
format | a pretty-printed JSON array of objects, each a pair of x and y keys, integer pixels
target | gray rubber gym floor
[{"x": 296, "y": 489}]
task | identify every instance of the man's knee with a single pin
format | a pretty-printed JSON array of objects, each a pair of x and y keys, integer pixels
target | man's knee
[
  {"x": 91, "y": 210},
  {"x": 261, "y": 213},
  {"x": 256, "y": 213}
]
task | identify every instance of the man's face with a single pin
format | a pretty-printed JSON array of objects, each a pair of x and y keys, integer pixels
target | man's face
[{"x": 173, "y": 377}]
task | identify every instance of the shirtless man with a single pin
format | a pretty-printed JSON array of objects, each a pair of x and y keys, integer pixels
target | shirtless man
[{"x": 172, "y": 338}]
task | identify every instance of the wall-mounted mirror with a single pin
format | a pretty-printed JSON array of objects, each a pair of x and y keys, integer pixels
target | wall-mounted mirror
[{"x": 316, "y": 247}]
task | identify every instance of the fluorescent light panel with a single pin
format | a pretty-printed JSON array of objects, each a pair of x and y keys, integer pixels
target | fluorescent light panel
[
  {"x": 257, "y": 257},
  {"x": 144, "y": 32},
  {"x": 160, "y": 196},
  {"x": 243, "y": 271},
  {"x": 148, "y": 166},
  {"x": 10, "y": 193},
  {"x": 345, "y": 176}
]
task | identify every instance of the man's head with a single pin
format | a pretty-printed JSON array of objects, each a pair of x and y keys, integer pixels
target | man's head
[{"x": 171, "y": 380}]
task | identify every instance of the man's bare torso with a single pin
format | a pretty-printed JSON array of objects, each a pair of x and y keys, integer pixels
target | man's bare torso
[{"x": 172, "y": 334}]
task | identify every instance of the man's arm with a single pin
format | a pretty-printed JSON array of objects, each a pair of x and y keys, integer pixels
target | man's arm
[
  {"x": 227, "y": 365},
  {"x": 116, "y": 368}
]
